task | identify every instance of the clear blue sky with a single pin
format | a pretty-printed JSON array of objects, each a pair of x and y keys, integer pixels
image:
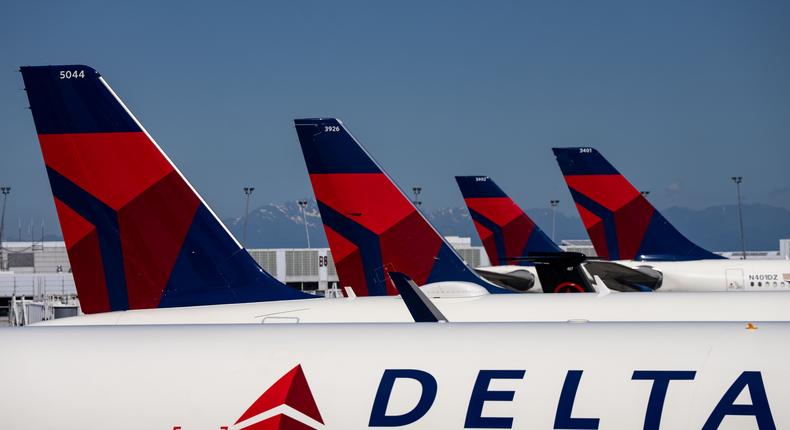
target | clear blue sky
[{"x": 680, "y": 95}]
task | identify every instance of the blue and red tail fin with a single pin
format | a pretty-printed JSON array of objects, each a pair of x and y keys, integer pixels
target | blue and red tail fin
[
  {"x": 505, "y": 230},
  {"x": 137, "y": 234},
  {"x": 621, "y": 223},
  {"x": 372, "y": 227}
]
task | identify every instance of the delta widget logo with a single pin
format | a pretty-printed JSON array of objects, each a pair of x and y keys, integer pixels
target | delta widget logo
[{"x": 293, "y": 393}]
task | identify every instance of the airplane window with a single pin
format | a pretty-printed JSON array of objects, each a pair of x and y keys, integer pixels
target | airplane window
[
  {"x": 752, "y": 284},
  {"x": 759, "y": 284}
]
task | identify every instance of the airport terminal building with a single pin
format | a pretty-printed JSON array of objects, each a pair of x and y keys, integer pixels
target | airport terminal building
[{"x": 40, "y": 271}]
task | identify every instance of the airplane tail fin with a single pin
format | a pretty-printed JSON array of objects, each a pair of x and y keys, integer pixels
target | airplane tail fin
[
  {"x": 505, "y": 230},
  {"x": 621, "y": 223},
  {"x": 137, "y": 234},
  {"x": 372, "y": 227}
]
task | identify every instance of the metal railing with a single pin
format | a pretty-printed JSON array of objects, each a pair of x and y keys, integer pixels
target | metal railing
[{"x": 36, "y": 285}]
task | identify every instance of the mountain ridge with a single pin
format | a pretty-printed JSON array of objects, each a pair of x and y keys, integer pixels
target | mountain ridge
[{"x": 281, "y": 225}]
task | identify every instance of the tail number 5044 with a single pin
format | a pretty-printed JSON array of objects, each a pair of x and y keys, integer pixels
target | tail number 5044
[{"x": 72, "y": 74}]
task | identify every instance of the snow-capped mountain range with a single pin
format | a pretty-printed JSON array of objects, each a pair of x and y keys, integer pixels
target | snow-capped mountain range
[{"x": 281, "y": 225}]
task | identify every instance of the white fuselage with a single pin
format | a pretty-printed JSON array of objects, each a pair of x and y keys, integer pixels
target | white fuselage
[
  {"x": 699, "y": 275},
  {"x": 206, "y": 377},
  {"x": 720, "y": 275},
  {"x": 671, "y": 306}
]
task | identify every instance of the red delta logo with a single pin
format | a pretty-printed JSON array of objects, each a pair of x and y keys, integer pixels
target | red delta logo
[
  {"x": 292, "y": 398},
  {"x": 291, "y": 391}
]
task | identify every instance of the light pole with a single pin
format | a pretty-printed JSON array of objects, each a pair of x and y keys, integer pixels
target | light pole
[
  {"x": 5, "y": 191},
  {"x": 554, "y": 204},
  {"x": 738, "y": 180},
  {"x": 416, "y": 190},
  {"x": 302, "y": 206},
  {"x": 247, "y": 191}
]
